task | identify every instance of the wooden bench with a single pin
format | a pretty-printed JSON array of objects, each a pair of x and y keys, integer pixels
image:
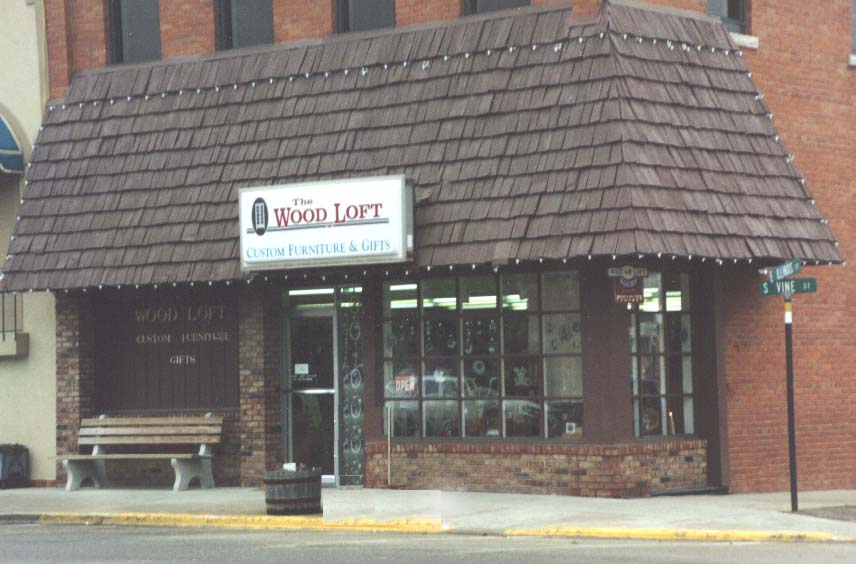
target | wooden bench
[{"x": 103, "y": 433}]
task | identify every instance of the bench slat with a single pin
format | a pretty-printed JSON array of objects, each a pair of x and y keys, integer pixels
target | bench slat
[
  {"x": 145, "y": 431},
  {"x": 129, "y": 456},
  {"x": 149, "y": 421},
  {"x": 153, "y": 440}
]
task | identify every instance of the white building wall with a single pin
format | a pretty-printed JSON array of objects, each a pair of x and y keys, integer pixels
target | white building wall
[{"x": 27, "y": 384}]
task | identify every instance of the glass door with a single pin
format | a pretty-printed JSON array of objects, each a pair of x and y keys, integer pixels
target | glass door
[{"x": 313, "y": 392}]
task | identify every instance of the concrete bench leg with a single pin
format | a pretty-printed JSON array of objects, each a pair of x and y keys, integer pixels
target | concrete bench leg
[
  {"x": 80, "y": 470},
  {"x": 186, "y": 470}
]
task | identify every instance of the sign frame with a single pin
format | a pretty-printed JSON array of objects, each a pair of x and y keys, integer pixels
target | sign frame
[{"x": 398, "y": 209}]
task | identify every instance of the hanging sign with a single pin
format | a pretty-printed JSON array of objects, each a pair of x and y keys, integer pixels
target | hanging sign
[
  {"x": 628, "y": 283},
  {"x": 359, "y": 221}
]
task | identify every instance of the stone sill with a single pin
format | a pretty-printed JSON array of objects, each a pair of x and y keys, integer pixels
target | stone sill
[
  {"x": 745, "y": 41},
  {"x": 852, "y": 60}
]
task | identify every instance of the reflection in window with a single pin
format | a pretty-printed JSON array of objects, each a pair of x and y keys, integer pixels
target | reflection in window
[
  {"x": 134, "y": 29},
  {"x": 363, "y": 15},
  {"x": 243, "y": 23},
  {"x": 661, "y": 357},
  {"x": 480, "y": 6},
  {"x": 486, "y": 356}
]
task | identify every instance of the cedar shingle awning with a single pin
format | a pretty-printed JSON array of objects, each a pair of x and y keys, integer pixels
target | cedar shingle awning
[{"x": 528, "y": 134}]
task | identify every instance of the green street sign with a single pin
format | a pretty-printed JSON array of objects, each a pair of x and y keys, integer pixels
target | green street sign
[
  {"x": 785, "y": 270},
  {"x": 796, "y": 286}
]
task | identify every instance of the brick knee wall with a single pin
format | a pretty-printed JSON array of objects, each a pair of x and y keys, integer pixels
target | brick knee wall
[{"x": 620, "y": 470}]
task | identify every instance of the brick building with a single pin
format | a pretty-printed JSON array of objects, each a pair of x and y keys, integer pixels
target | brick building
[{"x": 574, "y": 307}]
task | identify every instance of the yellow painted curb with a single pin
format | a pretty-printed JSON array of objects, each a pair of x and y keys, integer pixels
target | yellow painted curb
[
  {"x": 259, "y": 522},
  {"x": 679, "y": 534}
]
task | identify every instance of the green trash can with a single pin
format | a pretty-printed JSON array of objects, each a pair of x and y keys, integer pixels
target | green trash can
[{"x": 14, "y": 466}]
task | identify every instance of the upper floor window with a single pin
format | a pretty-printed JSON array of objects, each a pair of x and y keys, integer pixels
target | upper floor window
[
  {"x": 479, "y": 6},
  {"x": 243, "y": 23},
  {"x": 853, "y": 20},
  {"x": 732, "y": 13},
  {"x": 134, "y": 28},
  {"x": 362, "y": 15}
]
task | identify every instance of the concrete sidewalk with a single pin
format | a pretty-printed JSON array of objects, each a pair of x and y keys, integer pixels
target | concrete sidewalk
[{"x": 750, "y": 517}]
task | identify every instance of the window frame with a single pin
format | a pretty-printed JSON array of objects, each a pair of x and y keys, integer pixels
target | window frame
[
  {"x": 224, "y": 23},
  {"x": 420, "y": 317},
  {"x": 16, "y": 323},
  {"x": 115, "y": 35},
  {"x": 471, "y": 7},
  {"x": 665, "y": 357},
  {"x": 734, "y": 24}
]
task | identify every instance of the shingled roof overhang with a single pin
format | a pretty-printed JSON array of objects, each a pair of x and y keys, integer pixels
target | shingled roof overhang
[{"x": 528, "y": 134}]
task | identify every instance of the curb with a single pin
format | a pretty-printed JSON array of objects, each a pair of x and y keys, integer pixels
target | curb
[
  {"x": 246, "y": 522},
  {"x": 679, "y": 534},
  {"x": 412, "y": 526}
]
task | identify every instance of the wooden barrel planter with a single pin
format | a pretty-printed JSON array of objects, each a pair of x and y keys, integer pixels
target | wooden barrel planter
[{"x": 293, "y": 492}]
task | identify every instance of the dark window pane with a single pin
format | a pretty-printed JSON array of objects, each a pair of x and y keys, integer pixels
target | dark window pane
[
  {"x": 478, "y": 292},
  {"x": 440, "y": 378},
  {"x": 439, "y": 294},
  {"x": 564, "y": 376},
  {"x": 480, "y": 336},
  {"x": 405, "y": 418},
  {"x": 252, "y": 22},
  {"x": 520, "y": 334},
  {"x": 362, "y": 15},
  {"x": 481, "y": 419},
  {"x": 481, "y": 377},
  {"x": 139, "y": 25},
  {"x": 479, "y": 6},
  {"x": 523, "y": 377},
  {"x": 562, "y": 333},
  {"x": 399, "y": 298},
  {"x": 441, "y": 419},
  {"x": 565, "y": 419},
  {"x": 650, "y": 416},
  {"x": 441, "y": 336},
  {"x": 561, "y": 290},
  {"x": 400, "y": 337},
  {"x": 522, "y": 419},
  {"x": 520, "y": 292}
]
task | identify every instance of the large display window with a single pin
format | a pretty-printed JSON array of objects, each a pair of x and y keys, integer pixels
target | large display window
[
  {"x": 484, "y": 356},
  {"x": 660, "y": 338}
]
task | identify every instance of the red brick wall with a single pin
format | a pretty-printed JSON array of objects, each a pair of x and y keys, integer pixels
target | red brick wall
[
  {"x": 801, "y": 67},
  {"x": 409, "y": 12},
  {"x": 259, "y": 370},
  {"x": 302, "y": 19},
  {"x": 187, "y": 27},
  {"x": 75, "y": 371},
  {"x": 88, "y": 34},
  {"x": 620, "y": 470}
]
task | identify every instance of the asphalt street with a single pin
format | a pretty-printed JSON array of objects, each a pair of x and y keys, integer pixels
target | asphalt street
[{"x": 72, "y": 544}]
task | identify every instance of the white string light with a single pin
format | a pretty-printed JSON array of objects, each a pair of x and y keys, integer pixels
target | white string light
[{"x": 557, "y": 46}]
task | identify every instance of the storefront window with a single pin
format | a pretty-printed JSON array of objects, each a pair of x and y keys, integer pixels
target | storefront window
[
  {"x": 484, "y": 356},
  {"x": 661, "y": 357}
]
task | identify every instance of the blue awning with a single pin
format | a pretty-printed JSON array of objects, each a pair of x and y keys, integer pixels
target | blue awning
[{"x": 11, "y": 157}]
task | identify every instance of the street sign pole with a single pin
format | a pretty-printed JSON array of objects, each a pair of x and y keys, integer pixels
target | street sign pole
[{"x": 792, "y": 439}]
